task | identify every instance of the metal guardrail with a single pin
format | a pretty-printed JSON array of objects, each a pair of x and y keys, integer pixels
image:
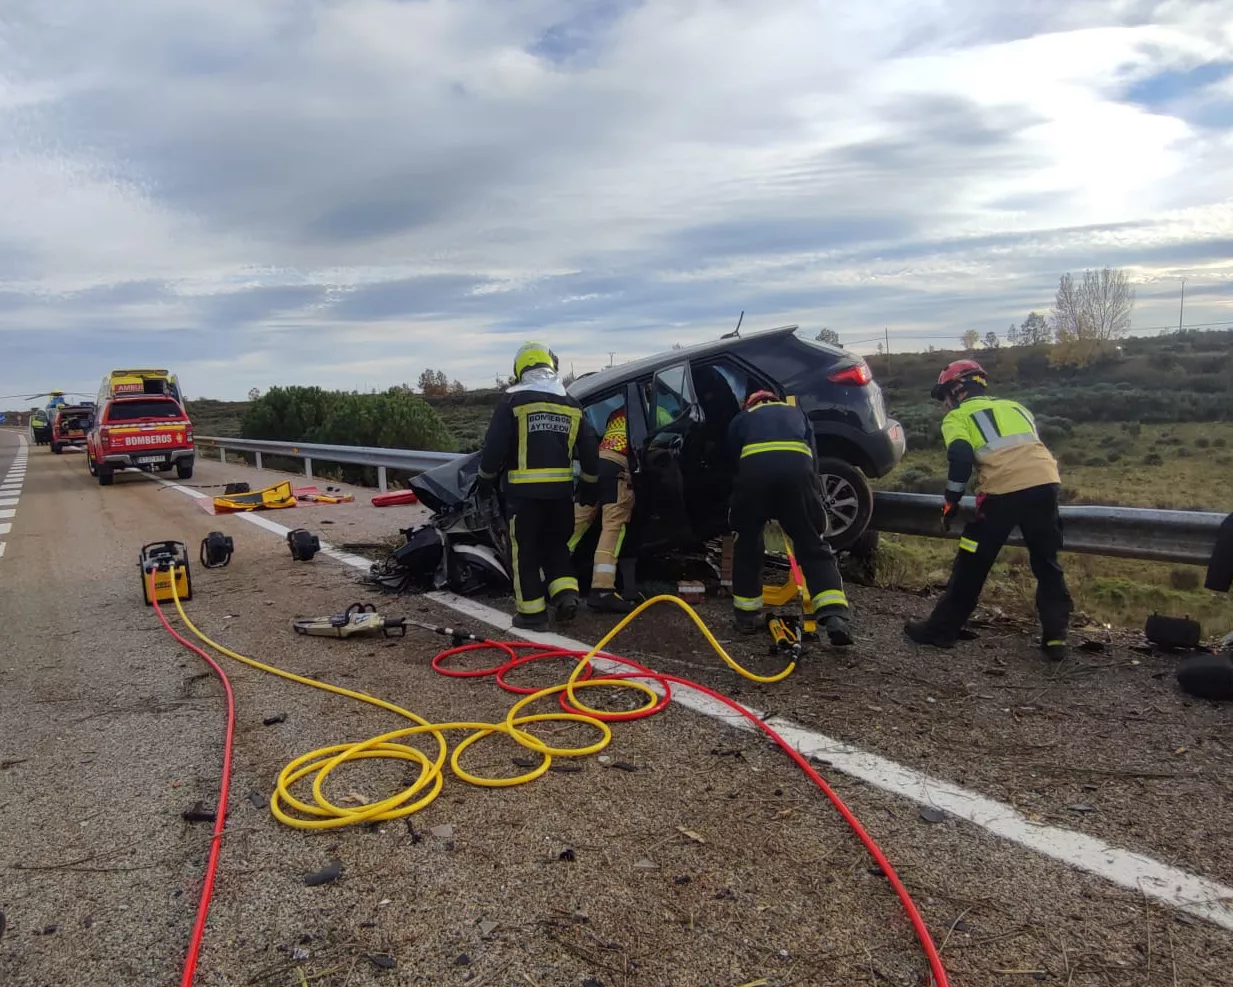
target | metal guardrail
[
  {"x": 410, "y": 460},
  {"x": 1121, "y": 532}
]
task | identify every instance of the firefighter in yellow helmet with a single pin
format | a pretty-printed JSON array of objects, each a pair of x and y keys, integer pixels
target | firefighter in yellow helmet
[
  {"x": 536, "y": 432},
  {"x": 615, "y": 507},
  {"x": 1017, "y": 485},
  {"x": 777, "y": 478}
]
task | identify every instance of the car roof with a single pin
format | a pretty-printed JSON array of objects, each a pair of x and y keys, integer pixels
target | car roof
[{"x": 591, "y": 383}]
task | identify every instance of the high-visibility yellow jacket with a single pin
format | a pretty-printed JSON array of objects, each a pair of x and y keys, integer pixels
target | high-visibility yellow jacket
[{"x": 998, "y": 438}]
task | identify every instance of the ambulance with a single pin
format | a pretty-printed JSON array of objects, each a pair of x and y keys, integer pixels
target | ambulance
[{"x": 134, "y": 383}]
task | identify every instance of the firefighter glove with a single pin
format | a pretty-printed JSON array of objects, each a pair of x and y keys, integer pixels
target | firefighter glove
[
  {"x": 485, "y": 486},
  {"x": 949, "y": 509}
]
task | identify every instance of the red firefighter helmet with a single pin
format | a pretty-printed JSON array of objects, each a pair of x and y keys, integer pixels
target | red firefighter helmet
[
  {"x": 757, "y": 397},
  {"x": 955, "y": 375}
]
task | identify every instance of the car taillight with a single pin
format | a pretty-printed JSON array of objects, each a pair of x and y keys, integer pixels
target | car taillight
[{"x": 855, "y": 375}]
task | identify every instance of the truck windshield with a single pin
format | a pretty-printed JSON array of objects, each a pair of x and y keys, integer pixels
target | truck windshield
[{"x": 136, "y": 410}]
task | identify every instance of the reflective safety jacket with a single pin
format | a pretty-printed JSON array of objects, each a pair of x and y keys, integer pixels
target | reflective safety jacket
[
  {"x": 771, "y": 436},
  {"x": 536, "y": 432},
  {"x": 998, "y": 438}
]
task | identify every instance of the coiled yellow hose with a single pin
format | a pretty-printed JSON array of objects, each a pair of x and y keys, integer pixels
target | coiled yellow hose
[{"x": 324, "y": 814}]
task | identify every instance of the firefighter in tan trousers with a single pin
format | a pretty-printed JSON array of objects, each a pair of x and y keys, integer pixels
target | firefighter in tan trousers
[{"x": 615, "y": 506}]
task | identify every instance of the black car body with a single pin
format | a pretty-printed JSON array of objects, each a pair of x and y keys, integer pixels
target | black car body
[{"x": 680, "y": 405}]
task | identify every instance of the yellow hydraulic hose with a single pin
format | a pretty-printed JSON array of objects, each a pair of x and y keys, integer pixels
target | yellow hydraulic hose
[{"x": 324, "y": 814}]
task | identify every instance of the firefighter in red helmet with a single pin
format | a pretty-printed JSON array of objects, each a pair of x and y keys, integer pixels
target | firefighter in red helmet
[
  {"x": 1017, "y": 486},
  {"x": 777, "y": 479}
]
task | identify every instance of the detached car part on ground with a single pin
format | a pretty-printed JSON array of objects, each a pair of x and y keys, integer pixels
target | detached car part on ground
[{"x": 682, "y": 470}]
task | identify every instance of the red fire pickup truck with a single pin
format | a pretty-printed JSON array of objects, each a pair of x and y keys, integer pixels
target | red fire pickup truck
[{"x": 146, "y": 432}]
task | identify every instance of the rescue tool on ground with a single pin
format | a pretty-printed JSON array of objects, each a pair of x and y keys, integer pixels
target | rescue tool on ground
[
  {"x": 361, "y": 619},
  {"x": 162, "y": 564},
  {"x": 536, "y": 432},
  {"x": 1017, "y": 486},
  {"x": 773, "y": 444}
]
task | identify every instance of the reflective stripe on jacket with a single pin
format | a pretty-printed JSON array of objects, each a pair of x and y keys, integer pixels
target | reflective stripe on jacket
[
  {"x": 770, "y": 427},
  {"x": 1003, "y": 441}
]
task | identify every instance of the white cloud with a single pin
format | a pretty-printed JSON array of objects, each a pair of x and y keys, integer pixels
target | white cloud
[{"x": 267, "y": 183}]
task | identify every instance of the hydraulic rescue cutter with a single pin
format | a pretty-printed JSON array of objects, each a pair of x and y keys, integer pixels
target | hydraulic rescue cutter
[{"x": 362, "y": 619}]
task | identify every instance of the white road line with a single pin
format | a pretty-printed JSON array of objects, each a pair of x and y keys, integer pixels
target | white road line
[
  {"x": 1, "y": 549},
  {"x": 8, "y": 501},
  {"x": 5, "y": 527},
  {"x": 8, "y": 512},
  {"x": 1198, "y": 896}
]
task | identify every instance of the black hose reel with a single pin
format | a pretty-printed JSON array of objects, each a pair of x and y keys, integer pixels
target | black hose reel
[
  {"x": 303, "y": 544},
  {"x": 216, "y": 549}
]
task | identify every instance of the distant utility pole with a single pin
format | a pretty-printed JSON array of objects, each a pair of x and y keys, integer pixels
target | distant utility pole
[
  {"x": 1181, "y": 307},
  {"x": 611, "y": 356},
  {"x": 886, "y": 330}
]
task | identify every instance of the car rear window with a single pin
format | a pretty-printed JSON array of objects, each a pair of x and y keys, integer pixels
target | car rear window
[{"x": 135, "y": 410}]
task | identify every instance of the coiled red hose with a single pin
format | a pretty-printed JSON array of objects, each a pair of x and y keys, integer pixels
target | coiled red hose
[{"x": 665, "y": 682}]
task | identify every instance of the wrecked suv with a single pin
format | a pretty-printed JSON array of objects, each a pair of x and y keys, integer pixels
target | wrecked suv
[{"x": 680, "y": 405}]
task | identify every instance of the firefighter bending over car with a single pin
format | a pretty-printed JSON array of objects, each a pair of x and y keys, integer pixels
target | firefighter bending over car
[
  {"x": 535, "y": 433},
  {"x": 615, "y": 507},
  {"x": 1017, "y": 486},
  {"x": 773, "y": 445}
]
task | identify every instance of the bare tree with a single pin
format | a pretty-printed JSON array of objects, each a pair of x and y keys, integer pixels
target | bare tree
[
  {"x": 970, "y": 339},
  {"x": 828, "y": 336},
  {"x": 1012, "y": 335},
  {"x": 1094, "y": 310},
  {"x": 1034, "y": 330},
  {"x": 991, "y": 340},
  {"x": 254, "y": 393}
]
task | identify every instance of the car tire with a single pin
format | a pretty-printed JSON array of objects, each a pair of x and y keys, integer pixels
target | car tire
[
  {"x": 56, "y": 447},
  {"x": 106, "y": 475},
  {"x": 848, "y": 501},
  {"x": 90, "y": 465},
  {"x": 184, "y": 469}
]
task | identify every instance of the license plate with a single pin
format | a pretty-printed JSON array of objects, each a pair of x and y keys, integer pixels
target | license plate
[{"x": 151, "y": 459}]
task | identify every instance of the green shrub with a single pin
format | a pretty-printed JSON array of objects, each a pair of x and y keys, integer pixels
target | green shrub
[
  {"x": 1220, "y": 442},
  {"x": 1071, "y": 457},
  {"x": 1202, "y": 442},
  {"x": 1113, "y": 455},
  {"x": 1184, "y": 452},
  {"x": 1153, "y": 459}
]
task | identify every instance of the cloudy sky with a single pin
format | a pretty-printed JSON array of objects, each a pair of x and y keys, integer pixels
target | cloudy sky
[{"x": 343, "y": 192}]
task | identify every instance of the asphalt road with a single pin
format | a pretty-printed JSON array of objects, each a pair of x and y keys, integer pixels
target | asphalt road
[{"x": 711, "y": 862}]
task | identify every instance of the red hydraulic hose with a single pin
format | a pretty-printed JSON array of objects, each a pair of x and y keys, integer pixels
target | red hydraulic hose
[
  {"x": 641, "y": 672},
  {"x": 220, "y": 816}
]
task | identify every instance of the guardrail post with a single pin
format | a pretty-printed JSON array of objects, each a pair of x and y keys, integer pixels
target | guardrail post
[
  {"x": 222, "y": 454},
  {"x": 308, "y": 468},
  {"x": 381, "y": 484},
  {"x": 259, "y": 466}
]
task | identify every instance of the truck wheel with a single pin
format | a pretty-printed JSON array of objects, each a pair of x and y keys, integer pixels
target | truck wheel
[
  {"x": 184, "y": 469},
  {"x": 106, "y": 475},
  {"x": 847, "y": 499},
  {"x": 55, "y": 447},
  {"x": 90, "y": 465}
]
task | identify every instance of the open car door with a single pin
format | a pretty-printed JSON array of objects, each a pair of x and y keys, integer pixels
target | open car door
[{"x": 668, "y": 458}]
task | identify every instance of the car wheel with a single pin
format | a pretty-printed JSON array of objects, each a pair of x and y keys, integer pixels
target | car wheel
[
  {"x": 55, "y": 447},
  {"x": 106, "y": 475},
  {"x": 90, "y": 465},
  {"x": 848, "y": 501},
  {"x": 184, "y": 469}
]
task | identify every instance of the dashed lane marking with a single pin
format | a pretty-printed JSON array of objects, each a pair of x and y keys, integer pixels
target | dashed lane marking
[
  {"x": 1198, "y": 896},
  {"x": 10, "y": 488}
]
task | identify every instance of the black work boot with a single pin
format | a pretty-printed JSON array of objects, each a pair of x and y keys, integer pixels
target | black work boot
[
  {"x": 566, "y": 604},
  {"x": 608, "y": 601},
  {"x": 837, "y": 631},
  {"x": 1054, "y": 648},
  {"x": 747, "y": 621},
  {"x": 532, "y": 621},
  {"x": 921, "y": 633}
]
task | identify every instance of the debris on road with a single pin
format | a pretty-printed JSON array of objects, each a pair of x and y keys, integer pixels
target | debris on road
[{"x": 329, "y": 873}]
